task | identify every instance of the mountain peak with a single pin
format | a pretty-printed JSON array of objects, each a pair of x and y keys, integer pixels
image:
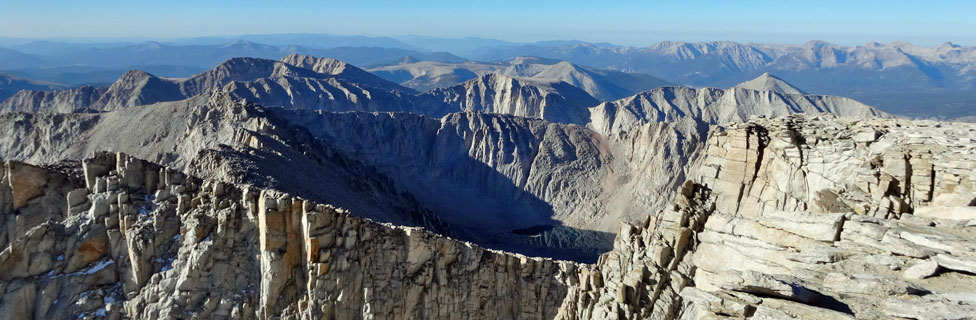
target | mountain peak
[
  {"x": 769, "y": 82},
  {"x": 334, "y": 67},
  {"x": 948, "y": 46},
  {"x": 320, "y": 65},
  {"x": 134, "y": 75}
]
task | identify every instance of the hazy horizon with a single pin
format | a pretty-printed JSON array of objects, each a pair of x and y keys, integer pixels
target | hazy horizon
[
  {"x": 4, "y": 39},
  {"x": 618, "y": 22}
]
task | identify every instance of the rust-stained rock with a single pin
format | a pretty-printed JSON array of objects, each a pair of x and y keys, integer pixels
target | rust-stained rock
[{"x": 26, "y": 182}]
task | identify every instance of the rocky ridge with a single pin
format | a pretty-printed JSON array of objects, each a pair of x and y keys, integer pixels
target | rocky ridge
[
  {"x": 139, "y": 240},
  {"x": 717, "y": 106},
  {"x": 601, "y": 84},
  {"x": 268, "y": 82},
  {"x": 306, "y": 82}
]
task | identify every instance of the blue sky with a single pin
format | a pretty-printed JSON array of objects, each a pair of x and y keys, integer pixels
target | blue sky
[{"x": 622, "y": 22}]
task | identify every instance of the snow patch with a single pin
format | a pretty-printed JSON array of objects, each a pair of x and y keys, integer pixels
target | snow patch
[{"x": 98, "y": 267}]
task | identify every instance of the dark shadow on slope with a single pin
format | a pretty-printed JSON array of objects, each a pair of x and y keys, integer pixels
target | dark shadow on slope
[
  {"x": 311, "y": 170},
  {"x": 432, "y": 163},
  {"x": 828, "y": 302},
  {"x": 533, "y": 231}
]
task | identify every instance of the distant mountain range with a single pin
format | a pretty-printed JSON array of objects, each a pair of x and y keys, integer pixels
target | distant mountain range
[
  {"x": 306, "y": 82},
  {"x": 937, "y": 82},
  {"x": 524, "y": 87},
  {"x": 725, "y": 63},
  {"x": 898, "y": 77},
  {"x": 322, "y": 84},
  {"x": 50, "y": 54}
]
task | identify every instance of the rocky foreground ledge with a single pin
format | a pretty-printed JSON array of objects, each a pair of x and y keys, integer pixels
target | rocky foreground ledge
[{"x": 805, "y": 217}]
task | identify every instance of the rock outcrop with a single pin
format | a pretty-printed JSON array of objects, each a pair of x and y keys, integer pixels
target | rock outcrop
[{"x": 804, "y": 218}]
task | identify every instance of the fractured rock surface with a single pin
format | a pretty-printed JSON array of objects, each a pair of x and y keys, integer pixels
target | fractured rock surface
[{"x": 803, "y": 218}]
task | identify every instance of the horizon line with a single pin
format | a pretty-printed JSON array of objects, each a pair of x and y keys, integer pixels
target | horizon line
[{"x": 398, "y": 37}]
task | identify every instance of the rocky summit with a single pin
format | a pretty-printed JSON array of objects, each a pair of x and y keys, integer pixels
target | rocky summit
[{"x": 799, "y": 217}]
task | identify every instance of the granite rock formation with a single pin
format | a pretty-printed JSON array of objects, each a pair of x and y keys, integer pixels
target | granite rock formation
[
  {"x": 804, "y": 217},
  {"x": 129, "y": 238}
]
